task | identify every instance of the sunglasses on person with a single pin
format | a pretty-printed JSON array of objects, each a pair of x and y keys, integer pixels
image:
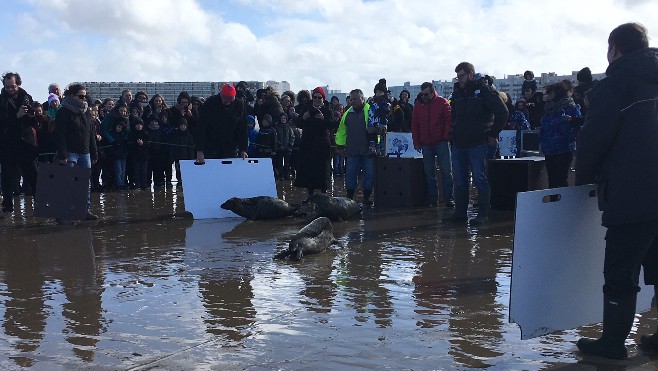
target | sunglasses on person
[
  {"x": 82, "y": 96},
  {"x": 318, "y": 97}
]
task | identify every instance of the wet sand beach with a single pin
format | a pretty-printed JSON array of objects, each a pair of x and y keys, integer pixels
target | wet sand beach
[{"x": 146, "y": 287}]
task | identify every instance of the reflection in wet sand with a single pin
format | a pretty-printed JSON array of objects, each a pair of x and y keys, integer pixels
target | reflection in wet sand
[{"x": 141, "y": 287}]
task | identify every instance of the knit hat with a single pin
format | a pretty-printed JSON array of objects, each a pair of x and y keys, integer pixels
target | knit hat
[
  {"x": 584, "y": 75},
  {"x": 153, "y": 117},
  {"x": 228, "y": 90},
  {"x": 320, "y": 91},
  {"x": 381, "y": 86},
  {"x": 52, "y": 97}
]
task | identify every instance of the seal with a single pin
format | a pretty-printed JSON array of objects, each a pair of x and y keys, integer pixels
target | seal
[
  {"x": 336, "y": 209},
  {"x": 315, "y": 237},
  {"x": 257, "y": 208}
]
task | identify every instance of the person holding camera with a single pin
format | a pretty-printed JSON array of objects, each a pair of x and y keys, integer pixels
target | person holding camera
[
  {"x": 315, "y": 119},
  {"x": 15, "y": 112}
]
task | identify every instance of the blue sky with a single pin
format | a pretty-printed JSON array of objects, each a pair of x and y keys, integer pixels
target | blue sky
[{"x": 345, "y": 44}]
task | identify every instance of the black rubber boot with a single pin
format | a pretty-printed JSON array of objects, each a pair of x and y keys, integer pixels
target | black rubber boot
[
  {"x": 461, "y": 206},
  {"x": 484, "y": 199},
  {"x": 350, "y": 194},
  {"x": 618, "y": 316},
  {"x": 649, "y": 343}
]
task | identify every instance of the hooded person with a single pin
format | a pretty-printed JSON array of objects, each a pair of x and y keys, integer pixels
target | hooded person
[
  {"x": 252, "y": 135},
  {"x": 285, "y": 142}
]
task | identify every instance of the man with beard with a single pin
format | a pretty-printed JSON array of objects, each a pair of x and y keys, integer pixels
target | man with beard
[
  {"x": 222, "y": 128},
  {"x": 15, "y": 111},
  {"x": 478, "y": 116}
]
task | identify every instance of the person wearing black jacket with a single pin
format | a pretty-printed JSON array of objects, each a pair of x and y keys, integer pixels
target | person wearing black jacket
[
  {"x": 316, "y": 120},
  {"x": 478, "y": 116},
  {"x": 14, "y": 107},
  {"x": 618, "y": 150},
  {"x": 222, "y": 127},
  {"x": 76, "y": 144}
]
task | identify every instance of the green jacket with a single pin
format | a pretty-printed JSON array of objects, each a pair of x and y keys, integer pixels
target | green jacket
[{"x": 341, "y": 133}]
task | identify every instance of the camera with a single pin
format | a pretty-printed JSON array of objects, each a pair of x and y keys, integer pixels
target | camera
[{"x": 30, "y": 109}]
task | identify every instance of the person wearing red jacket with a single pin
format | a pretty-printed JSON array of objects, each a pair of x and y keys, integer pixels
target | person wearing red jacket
[{"x": 431, "y": 124}]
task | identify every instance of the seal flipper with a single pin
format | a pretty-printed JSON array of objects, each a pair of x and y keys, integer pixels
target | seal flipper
[{"x": 281, "y": 255}]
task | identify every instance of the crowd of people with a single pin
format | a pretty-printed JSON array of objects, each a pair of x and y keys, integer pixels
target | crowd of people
[
  {"x": 137, "y": 140},
  {"x": 134, "y": 142}
]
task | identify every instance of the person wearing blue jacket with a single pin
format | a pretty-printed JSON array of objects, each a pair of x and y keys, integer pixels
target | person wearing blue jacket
[{"x": 557, "y": 135}]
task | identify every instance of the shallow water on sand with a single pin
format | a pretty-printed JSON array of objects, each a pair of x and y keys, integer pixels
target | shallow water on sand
[{"x": 142, "y": 289}]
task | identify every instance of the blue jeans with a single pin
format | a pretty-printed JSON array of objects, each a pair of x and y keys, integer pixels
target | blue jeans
[
  {"x": 84, "y": 160},
  {"x": 441, "y": 151},
  {"x": 355, "y": 164},
  {"x": 120, "y": 172},
  {"x": 339, "y": 160},
  {"x": 467, "y": 161}
]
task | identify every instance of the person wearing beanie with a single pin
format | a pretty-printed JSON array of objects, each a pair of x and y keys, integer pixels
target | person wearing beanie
[
  {"x": 585, "y": 86},
  {"x": 381, "y": 87},
  {"x": 222, "y": 128},
  {"x": 378, "y": 119},
  {"x": 53, "y": 105},
  {"x": 316, "y": 120},
  {"x": 584, "y": 75}
]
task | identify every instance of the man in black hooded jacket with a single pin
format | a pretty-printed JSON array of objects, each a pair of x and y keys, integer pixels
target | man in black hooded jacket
[{"x": 618, "y": 150}]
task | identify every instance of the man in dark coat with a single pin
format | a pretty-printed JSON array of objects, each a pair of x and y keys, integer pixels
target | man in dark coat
[
  {"x": 478, "y": 116},
  {"x": 222, "y": 128},
  {"x": 15, "y": 109},
  {"x": 618, "y": 150},
  {"x": 76, "y": 143}
]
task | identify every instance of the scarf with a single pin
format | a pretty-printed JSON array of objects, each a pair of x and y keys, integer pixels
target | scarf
[{"x": 73, "y": 103}]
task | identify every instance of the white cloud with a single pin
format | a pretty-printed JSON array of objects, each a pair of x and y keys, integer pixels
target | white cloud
[{"x": 342, "y": 43}]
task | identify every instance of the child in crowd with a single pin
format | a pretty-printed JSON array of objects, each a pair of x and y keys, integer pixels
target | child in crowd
[
  {"x": 139, "y": 154},
  {"x": 53, "y": 105},
  {"x": 119, "y": 151},
  {"x": 158, "y": 154},
  {"x": 96, "y": 168},
  {"x": 285, "y": 140},
  {"x": 181, "y": 148},
  {"x": 266, "y": 142},
  {"x": 294, "y": 155},
  {"x": 253, "y": 134},
  {"x": 529, "y": 82},
  {"x": 378, "y": 119}
]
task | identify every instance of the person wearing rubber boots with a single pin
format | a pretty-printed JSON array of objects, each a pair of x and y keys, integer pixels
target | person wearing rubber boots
[{"x": 618, "y": 150}]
